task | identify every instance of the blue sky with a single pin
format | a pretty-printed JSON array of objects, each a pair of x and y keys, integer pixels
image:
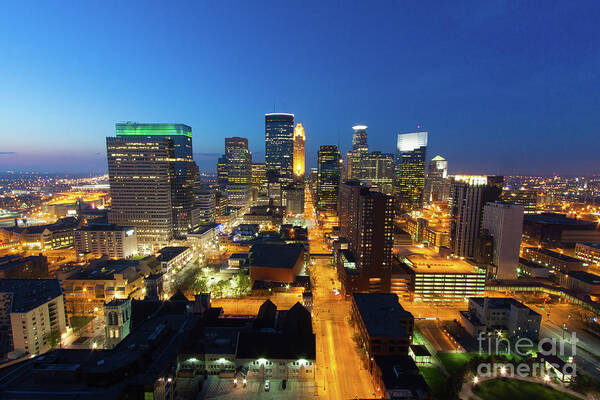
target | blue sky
[{"x": 505, "y": 87}]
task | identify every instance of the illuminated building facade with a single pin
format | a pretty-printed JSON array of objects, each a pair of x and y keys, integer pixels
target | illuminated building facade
[
  {"x": 204, "y": 212},
  {"x": 436, "y": 185},
  {"x": 377, "y": 171},
  {"x": 259, "y": 178},
  {"x": 329, "y": 178},
  {"x": 141, "y": 178},
  {"x": 468, "y": 195},
  {"x": 299, "y": 140},
  {"x": 239, "y": 171},
  {"x": 185, "y": 169},
  {"x": 504, "y": 222},
  {"x": 410, "y": 169},
  {"x": 367, "y": 222},
  {"x": 111, "y": 240},
  {"x": 279, "y": 145},
  {"x": 588, "y": 252},
  {"x": 359, "y": 148}
]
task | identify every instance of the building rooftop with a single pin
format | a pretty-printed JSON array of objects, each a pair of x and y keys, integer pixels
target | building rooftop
[
  {"x": 531, "y": 264},
  {"x": 556, "y": 219},
  {"x": 105, "y": 270},
  {"x": 400, "y": 373},
  {"x": 585, "y": 277},
  {"x": 274, "y": 345},
  {"x": 273, "y": 255},
  {"x": 426, "y": 260},
  {"x": 381, "y": 314},
  {"x": 28, "y": 294},
  {"x": 166, "y": 254},
  {"x": 554, "y": 254},
  {"x": 500, "y": 303},
  {"x": 591, "y": 244},
  {"x": 102, "y": 227}
]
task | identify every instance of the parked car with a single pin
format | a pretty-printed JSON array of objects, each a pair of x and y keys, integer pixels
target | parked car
[{"x": 267, "y": 385}]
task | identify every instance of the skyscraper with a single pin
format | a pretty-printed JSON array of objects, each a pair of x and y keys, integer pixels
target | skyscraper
[
  {"x": 359, "y": 148},
  {"x": 504, "y": 221},
  {"x": 299, "y": 140},
  {"x": 329, "y": 178},
  {"x": 436, "y": 185},
  {"x": 468, "y": 194},
  {"x": 185, "y": 169},
  {"x": 377, "y": 171},
  {"x": 279, "y": 145},
  {"x": 141, "y": 177},
  {"x": 410, "y": 169},
  {"x": 259, "y": 179},
  {"x": 239, "y": 171},
  {"x": 367, "y": 222}
]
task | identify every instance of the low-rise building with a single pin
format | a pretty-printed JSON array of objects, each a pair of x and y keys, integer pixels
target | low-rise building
[
  {"x": 557, "y": 262},
  {"x": 19, "y": 267},
  {"x": 398, "y": 377},
  {"x": 385, "y": 328},
  {"x": 174, "y": 257},
  {"x": 32, "y": 315},
  {"x": 421, "y": 274},
  {"x": 588, "y": 252},
  {"x": 50, "y": 236},
  {"x": 581, "y": 281},
  {"x": 490, "y": 315},
  {"x": 276, "y": 262},
  {"x": 111, "y": 240},
  {"x": 532, "y": 269},
  {"x": 87, "y": 291}
]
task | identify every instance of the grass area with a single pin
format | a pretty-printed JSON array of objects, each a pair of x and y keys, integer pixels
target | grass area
[
  {"x": 512, "y": 389},
  {"x": 437, "y": 382},
  {"x": 78, "y": 322},
  {"x": 453, "y": 362}
]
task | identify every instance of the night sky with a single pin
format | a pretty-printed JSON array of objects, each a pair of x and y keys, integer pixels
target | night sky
[{"x": 502, "y": 87}]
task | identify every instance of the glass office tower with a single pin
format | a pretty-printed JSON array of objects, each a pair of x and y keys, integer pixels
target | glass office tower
[
  {"x": 410, "y": 169},
  {"x": 328, "y": 178},
  {"x": 279, "y": 146},
  {"x": 185, "y": 169}
]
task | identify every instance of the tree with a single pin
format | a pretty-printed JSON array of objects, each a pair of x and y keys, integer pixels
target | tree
[{"x": 53, "y": 338}]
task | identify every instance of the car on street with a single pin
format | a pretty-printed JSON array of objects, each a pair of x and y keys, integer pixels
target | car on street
[{"x": 267, "y": 385}]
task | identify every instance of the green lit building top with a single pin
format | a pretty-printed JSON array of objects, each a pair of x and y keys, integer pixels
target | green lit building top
[{"x": 132, "y": 128}]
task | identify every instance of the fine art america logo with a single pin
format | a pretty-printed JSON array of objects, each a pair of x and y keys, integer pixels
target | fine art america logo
[{"x": 548, "y": 357}]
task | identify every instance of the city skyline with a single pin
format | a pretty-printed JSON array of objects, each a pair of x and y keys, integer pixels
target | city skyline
[{"x": 518, "y": 91}]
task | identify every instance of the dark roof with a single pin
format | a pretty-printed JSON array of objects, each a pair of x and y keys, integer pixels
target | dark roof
[
  {"x": 531, "y": 264},
  {"x": 586, "y": 277},
  {"x": 297, "y": 320},
  {"x": 273, "y": 255},
  {"x": 96, "y": 226},
  {"x": 381, "y": 314},
  {"x": 419, "y": 350},
  {"x": 266, "y": 315},
  {"x": 401, "y": 373},
  {"x": 169, "y": 253},
  {"x": 105, "y": 269},
  {"x": 556, "y": 219},
  {"x": 30, "y": 293},
  {"x": 501, "y": 302},
  {"x": 554, "y": 254},
  {"x": 591, "y": 244},
  {"x": 241, "y": 256},
  {"x": 271, "y": 345}
]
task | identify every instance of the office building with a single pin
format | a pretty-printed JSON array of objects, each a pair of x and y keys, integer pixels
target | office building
[
  {"x": 117, "y": 321},
  {"x": 558, "y": 230},
  {"x": 557, "y": 262},
  {"x": 588, "y": 252},
  {"x": 239, "y": 172},
  {"x": 58, "y": 235},
  {"x": 498, "y": 314},
  {"x": 222, "y": 172},
  {"x": 532, "y": 269},
  {"x": 205, "y": 204},
  {"x": 422, "y": 275},
  {"x": 468, "y": 195},
  {"x": 184, "y": 169},
  {"x": 299, "y": 162},
  {"x": 359, "y": 148},
  {"x": 142, "y": 180},
  {"x": 436, "y": 185},
  {"x": 526, "y": 198},
  {"x": 367, "y": 222},
  {"x": 504, "y": 222},
  {"x": 259, "y": 179},
  {"x": 411, "y": 151},
  {"x": 276, "y": 262},
  {"x": 113, "y": 241},
  {"x": 279, "y": 145},
  {"x": 32, "y": 315},
  {"x": 377, "y": 171},
  {"x": 18, "y": 267},
  {"x": 328, "y": 179},
  {"x": 581, "y": 282}
]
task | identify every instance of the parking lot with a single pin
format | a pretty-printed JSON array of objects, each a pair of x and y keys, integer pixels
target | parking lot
[{"x": 223, "y": 388}]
